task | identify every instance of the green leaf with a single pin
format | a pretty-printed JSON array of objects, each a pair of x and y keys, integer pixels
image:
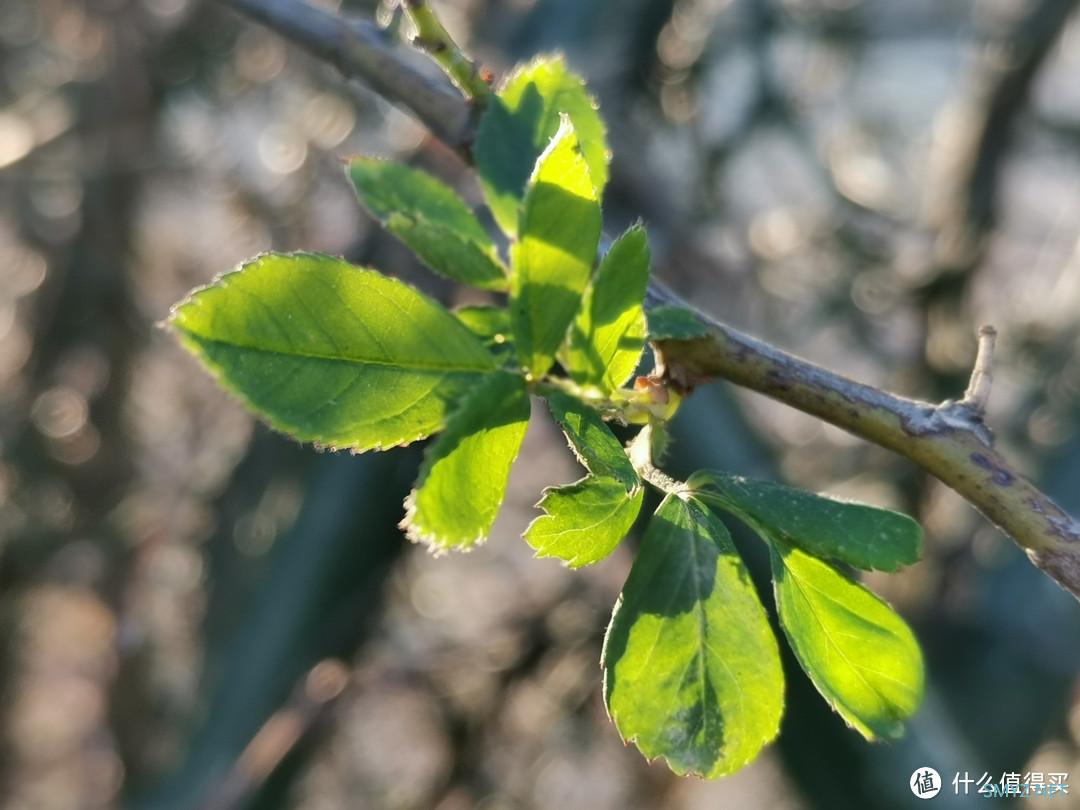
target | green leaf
[
  {"x": 463, "y": 478},
  {"x": 608, "y": 335},
  {"x": 860, "y": 655},
  {"x": 519, "y": 123},
  {"x": 430, "y": 219},
  {"x": 866, "y": 537},
  {"x": 332, "y": 353},
  {"x": 490, "y": 324},
  {"x": 584, "y": 521},
  {"x": 592, "y": 440},
  {"x": 445, "y": 252},
  {"x": 560, "y": 229},
  {"x": 675, "y": 323},
  {"x": 691, "y": 667}
]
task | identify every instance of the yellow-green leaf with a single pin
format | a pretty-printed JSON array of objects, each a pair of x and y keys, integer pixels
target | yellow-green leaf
[
  {"x": 584, "y": 521},
  {"x": 331, "y": 353},
  {"x": 608, "y": 335},
  {"x": 560, "y": 229},
  {"x": 859, "y": 653},
  {"x": 463, "y": 478},
  {"x": 518, "y": 124}
]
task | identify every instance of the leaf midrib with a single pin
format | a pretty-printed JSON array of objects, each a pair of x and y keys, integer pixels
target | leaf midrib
[
  {"x": 309, "y": 355},
  {"x": 858, "y": 670}
]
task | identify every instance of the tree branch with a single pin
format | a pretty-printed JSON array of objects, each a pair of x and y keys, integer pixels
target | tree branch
[
  {"x": 949, "y": 439},
  {"x": 361, "y": 50}
]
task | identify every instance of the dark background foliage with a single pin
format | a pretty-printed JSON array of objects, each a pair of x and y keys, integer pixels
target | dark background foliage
[{"x": 196, "y": 612}]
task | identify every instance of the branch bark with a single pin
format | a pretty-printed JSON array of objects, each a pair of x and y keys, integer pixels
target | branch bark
[{"x": 948, "y": 440}]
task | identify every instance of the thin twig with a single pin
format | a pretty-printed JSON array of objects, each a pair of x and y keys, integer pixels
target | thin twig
[
  {"x": 982, "y": 374},
  {"x": 312, "y": 701},
  {"x": 433, "y": 38},
  {"x": 948, "y": 440},
  {"x": 361, "y": 50}
]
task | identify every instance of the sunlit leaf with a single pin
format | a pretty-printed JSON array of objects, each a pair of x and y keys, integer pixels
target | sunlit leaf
[
  {"x": 332, "y": 353},
  {"x": 463, "y": 478},
  {"x": 584, "y": 521},
  {"x": 560, "y": 229},
  {"x": 592, "y": 440},
  {"x": 608, "y": 335},
  {"x": 691, "y": 667},
  {"x": 860, "y": 655},
  {"x": 431, "y": 219},
  {"x": 519, "y": 123},
  {"x": 864, "y": 536}
]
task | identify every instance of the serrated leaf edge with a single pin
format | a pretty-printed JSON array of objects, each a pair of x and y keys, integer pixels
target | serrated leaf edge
[
  {"x": 221, "y": 279},
  {"x": 538, "y": 555}
]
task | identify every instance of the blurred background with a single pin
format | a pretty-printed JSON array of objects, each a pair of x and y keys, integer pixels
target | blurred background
[{"x": 197, "y": 613}]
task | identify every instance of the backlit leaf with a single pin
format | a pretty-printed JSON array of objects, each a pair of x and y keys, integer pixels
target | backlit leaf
[
  {"x": 463, "y": 478},
  {"x": 332, "y": 353},
  {"x": 560, "y": 229},
  {"x": 864, "y": 536},
  {"x": 691, "y": 667},
  {"x": 608, "y": 335},
  {"x": 584, "y": 521},
  {"x": 860, "y": 655},
  {"x": 518, "y": 124}
]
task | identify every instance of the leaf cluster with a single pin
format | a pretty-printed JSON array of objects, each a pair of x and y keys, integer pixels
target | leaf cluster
[{"x": 348, "y": 358}]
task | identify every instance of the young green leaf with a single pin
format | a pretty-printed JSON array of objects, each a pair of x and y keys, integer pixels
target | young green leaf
[
  {"x": 860, "y": 655},
  {"x": 560, "y": 229},
  {"x": 331, "y": 353},
  {"x": 429, "y": 218},
  {"x": 490, "y": 324},
  {"x": 584, "y": 521},
  {"x": 608, "y": 335},
  {"x": 592, "y": 440},
  {"x": 866, "y": 537},
  {"x": 691, "y": 667},
  {"x": 675, "y": 323},
  {"x": 463, "y": 478},
  {"x": 519, "y": 123}
]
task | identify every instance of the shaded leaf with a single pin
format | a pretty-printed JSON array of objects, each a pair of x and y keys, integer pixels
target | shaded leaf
[
  {"x": 691, "y": 667},
  {"x": 560, "y": 229},
  {"x": 864, "y": 536},
  {"x": 442, "y": 250},
  {"x": 517, "y": 126},
  {"x": 592, "y": 440},
  {"x": 430, "y": 219},
  {"x": 675, "y": 323},
  {"x": 332, "y": 353},
  {"x": 584, "y": 521},
  {"x": 463, "y": 478},
  {"x": 608, "y": 335},
  {"x": 859, "y": 654}
]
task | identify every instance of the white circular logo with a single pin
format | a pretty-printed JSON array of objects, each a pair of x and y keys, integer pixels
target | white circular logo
[{"x": 925, "y": 783}]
